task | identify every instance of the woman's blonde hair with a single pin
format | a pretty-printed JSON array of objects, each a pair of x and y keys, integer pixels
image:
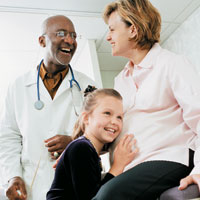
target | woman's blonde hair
[
  {"x": 143, "y": 15},
  {"x": 88, "y": 105}
]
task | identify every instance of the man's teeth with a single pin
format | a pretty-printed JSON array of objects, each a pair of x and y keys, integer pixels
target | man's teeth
[{"x": 66, "y": 50}]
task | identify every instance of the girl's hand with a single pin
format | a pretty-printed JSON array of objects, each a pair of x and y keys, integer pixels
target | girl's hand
[{"x": 123, "y": 154}]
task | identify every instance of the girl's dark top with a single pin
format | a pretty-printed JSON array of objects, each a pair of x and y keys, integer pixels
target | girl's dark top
[{"x": 78, "y": 173}]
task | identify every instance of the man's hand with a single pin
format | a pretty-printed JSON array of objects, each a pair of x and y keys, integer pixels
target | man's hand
[
  {"x": 16, "y": 189},
  {"x": 57, "y": 144},
  {"x": 191, "y": 179},
  {"x": 56, "y": 163}
]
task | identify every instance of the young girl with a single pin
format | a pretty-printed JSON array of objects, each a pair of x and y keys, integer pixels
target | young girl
[{"x": 78, "y": 173}]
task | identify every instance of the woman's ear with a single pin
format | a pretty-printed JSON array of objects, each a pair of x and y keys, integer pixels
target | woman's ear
[
  {"x": 42, "y": 41},
  {"x": 132, "y": 31}
]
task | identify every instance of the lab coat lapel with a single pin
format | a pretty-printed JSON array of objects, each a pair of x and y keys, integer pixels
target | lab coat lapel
[
  {"x": 43, "y": 91},
  {"x": 31, "y": 81}
]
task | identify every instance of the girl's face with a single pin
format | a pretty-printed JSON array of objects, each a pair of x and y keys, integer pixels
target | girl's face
[
  {"x": 119, "y": 36},
  {"x": 104, "y": 123}
]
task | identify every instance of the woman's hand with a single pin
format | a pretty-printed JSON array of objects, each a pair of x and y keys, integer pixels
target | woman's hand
[
  {"x": 123, "y": 154},
  {"x": 191, "y": 179}
]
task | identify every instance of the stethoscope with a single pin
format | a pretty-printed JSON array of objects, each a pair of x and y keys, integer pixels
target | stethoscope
[{"x": 40, "y": 104}]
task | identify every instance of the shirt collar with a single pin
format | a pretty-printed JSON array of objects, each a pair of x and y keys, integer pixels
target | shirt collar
[
  {"x": 44, "y": 74},
  {"x": 147, "y": 62},
  {"x": 31, "y": 77}
]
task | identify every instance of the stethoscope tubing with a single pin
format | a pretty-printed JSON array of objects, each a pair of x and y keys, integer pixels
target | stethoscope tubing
[
  {"x": 39, "y": 104},
  {"x": 38, "y": 76},
  {"x": 73, "y": 79}
]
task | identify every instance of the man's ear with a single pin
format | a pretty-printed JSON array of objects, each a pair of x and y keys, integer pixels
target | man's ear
[{"x": 42, "y": 41}]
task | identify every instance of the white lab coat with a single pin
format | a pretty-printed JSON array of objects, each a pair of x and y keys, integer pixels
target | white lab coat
[{"x": 23, "y": 129}]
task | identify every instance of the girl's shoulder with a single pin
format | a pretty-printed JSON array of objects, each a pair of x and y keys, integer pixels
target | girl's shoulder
[
  {"x": 80, "y": 150},
  {"x": 80, "y": 145}
]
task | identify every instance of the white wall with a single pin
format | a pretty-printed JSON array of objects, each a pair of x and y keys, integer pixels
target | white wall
[
  {"x": 19, "y": 47},
  {"x": 108, "y": 78},
  {"x": 87, "y": 61},
  {"x": 186, "y": 39},
  {"x": 108, "y": 63}
]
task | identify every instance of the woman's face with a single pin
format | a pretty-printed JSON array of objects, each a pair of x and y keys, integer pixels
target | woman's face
[{"x": 119, "y": 36}]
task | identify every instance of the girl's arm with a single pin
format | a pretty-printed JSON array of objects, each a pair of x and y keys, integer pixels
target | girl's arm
[
  {"x": 123, "y": 154},
  {"x": 85, "y": 171}
]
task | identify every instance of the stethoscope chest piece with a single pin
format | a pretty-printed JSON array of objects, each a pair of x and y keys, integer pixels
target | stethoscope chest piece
[{"x": 38, "y": 105}]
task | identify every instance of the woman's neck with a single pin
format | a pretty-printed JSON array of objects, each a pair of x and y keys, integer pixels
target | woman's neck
[{"x": 137, "y": 55}]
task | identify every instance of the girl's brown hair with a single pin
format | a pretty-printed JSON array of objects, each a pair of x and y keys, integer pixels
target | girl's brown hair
[
  {"x": 143, "y": 15},
  {"x": 88, "y": 105}
]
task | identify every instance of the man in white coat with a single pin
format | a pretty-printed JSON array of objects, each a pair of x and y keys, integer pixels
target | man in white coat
[{"x": 32, "y": 133}]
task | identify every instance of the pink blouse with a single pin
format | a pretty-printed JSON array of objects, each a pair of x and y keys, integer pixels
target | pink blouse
[{"x": 162, "y": 107}]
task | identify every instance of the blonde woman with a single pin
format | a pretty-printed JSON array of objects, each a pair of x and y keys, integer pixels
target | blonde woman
[{"x": 161, "y": 98}]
